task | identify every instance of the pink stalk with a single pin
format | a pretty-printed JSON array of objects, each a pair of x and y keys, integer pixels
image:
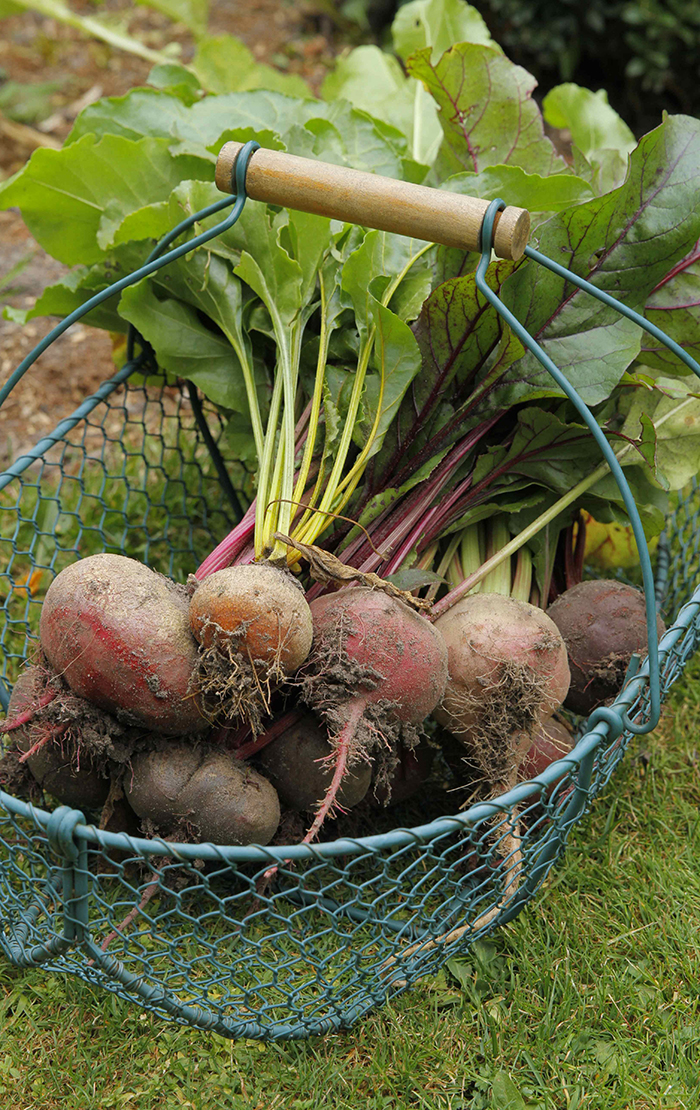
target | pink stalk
[
  {"x": 224, "y": 553},
  {"x": 402, "y": 517},
  {"x": 341, "y": 745},
  {"x": 434, "y": 516}
]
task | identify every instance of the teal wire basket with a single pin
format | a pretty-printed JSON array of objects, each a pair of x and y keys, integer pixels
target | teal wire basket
[{"x": 188, "y": 931}]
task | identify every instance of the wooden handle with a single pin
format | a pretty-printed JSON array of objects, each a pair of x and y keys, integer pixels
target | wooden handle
[{"x": 373, "y": 201}]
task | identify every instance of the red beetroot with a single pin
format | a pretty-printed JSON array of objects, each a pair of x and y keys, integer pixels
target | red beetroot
[
  {"x": 603, "y": 623},
  {"x": 508, "y": 673},
  {"x": 118, "y": 633},
  {"x": 376, "y": 670},
  {"x": 51, "y": 749},
  {"x": 298, "y": 764}
]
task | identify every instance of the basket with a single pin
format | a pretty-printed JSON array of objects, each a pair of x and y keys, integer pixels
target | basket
[
  {"x": 190, "y": 932},
  {"x": 349, "y": 922}
]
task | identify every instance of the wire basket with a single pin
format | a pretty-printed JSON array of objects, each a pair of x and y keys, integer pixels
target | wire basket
[
  {"x": 183, "y": 930},
  {"x": 190, "y": 931}
]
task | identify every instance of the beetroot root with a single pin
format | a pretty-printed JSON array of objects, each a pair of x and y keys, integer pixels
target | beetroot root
[
  {"x": 603, "y": 622},
  {"x": 299, "y": 765},
  {"x": 254, "y": 628},
  {"x": 51, "y": 750},
  {"x": 119, "y": 635},
  {"x": 377, "y": 669},
  {"x": 205, "y": 794},
  {"x": 508, "y": 672}
]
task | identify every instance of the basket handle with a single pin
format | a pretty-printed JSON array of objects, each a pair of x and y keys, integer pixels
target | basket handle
[{"x": 373, "y": 201}]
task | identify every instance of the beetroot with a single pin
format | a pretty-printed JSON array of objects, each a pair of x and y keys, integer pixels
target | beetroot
[
  {"x": 194, "y": 793},
  {"x": 407, "y": 777},
  {"x": 377, "y": 669},
  {"x": 254, "y": 628},
  {"x": 603, "y": 623},
  {"x": 119, "y": 635},
  {"x": 508, "y": 672},
  {"x": 552, "y": 741},
  {"x": 298, "y": 764},
  {"x": 51, "y": 749}
]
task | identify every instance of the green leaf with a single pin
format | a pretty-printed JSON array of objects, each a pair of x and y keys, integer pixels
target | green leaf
[
  {"x": 91, "y": 187},
  {"x": 138, "y": 114},
  {"x": 504, "y": 1094},
  {"x": 674, "y": 409},
  {"x": 593, "y": 123},
  {"x": 158, "y": 114},
  {"x": 623, "y": 243},
  {"x": 349, "y": 137},
  {"x": 373, "y": 81},
  {"x": 438, "y": 24},
  {"x": 602, "y": 137},
  {"x": 398, "y": 360},
  {"x": 411, "y": 578},
  {"x": 487, "y": 112},
  {"x": 184, "y": 346},
  {"x": 526, "y": 190},
  {"x": 674, "y": 306},
  {"x": 177, "y": 80},
  {"x": 193, "y": 13},
  {"x": 224, "y": 64},
  {"x": 380, "y": 255}
]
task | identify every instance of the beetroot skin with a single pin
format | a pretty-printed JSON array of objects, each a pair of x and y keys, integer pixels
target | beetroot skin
[
  {"x": 376, "y": 670},
  {"x": 57, "y": 762},
  {"x": 603, "y": 623},
  {"x": 119, "y": 635}
]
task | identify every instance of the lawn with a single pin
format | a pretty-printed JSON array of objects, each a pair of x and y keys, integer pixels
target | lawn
[{"x": 589, "y": 999}]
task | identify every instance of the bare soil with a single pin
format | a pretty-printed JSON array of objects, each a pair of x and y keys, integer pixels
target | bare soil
[{"x": 34, "y": 49}]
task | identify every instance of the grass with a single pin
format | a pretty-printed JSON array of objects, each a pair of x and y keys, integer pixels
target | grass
[{"x": 589, "y": 999}]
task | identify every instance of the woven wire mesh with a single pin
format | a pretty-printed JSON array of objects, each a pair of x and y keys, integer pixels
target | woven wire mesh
[{"x": 197, "y": 933}]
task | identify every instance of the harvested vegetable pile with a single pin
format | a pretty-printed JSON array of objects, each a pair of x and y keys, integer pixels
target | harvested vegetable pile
[{"x": 422, "y": 490}]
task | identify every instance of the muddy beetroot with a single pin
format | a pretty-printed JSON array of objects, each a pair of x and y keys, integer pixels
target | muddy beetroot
[
  {"x": 192, "y": 792},
  {"x": 508, "y": 672},
  {"x": 603, "y": 623},
  {"x": 376, "y": 671},
  {"x": 299, "y": 765},
  {"x": 119, "y": 635},
  {"x": 254, "y": 629}
]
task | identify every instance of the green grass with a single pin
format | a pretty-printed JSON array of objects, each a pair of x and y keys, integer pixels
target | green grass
[{"x": 589, "y": 999}]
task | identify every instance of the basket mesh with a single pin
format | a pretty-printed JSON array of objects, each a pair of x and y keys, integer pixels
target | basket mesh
[{"x": 194, "y": 932}]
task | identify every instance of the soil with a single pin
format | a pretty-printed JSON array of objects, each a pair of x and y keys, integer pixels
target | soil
[{"x": 35, "y": 49}]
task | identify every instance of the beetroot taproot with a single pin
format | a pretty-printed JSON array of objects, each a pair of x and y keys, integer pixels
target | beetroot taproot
[
  {"x": 377, "y": 669},
  {"x": 118, "y": 633},
  {"x": 299, "y": 765},
  {"x": 603, "y": 623}
]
